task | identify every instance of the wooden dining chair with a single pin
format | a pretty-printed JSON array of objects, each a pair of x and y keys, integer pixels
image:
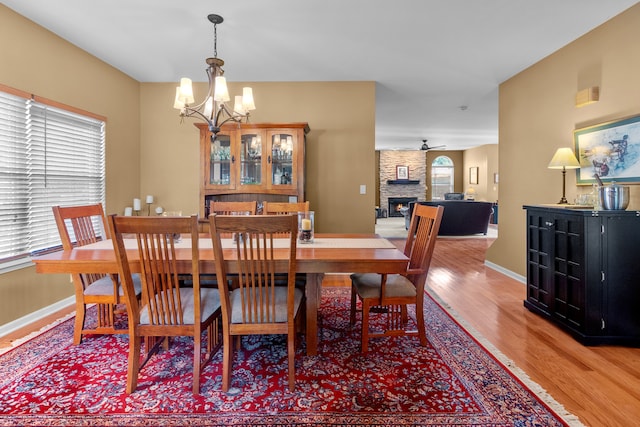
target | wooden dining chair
[
  {"x": 393, "y": 292},
  {"x": 284, "y": 208},
  {"x": 233, "y": 208},
  {"x": 257, "y": 305},
  {"x": 80, "y": 226},
  {"x": 287, "y": 208},
  {"x": 166, "y": 309}
]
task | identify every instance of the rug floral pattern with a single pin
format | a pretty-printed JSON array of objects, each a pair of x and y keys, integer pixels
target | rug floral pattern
[{"x": 453, "y": 380}]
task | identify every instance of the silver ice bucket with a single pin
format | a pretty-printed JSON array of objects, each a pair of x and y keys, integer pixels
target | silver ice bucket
[{"x": 614, "y": 197}]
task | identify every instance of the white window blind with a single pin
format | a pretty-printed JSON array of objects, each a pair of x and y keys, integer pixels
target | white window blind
[{"x": 48, "y": 156}]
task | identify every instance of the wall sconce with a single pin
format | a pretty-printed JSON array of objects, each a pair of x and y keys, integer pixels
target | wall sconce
[
  {"x": 564, "y": 159},
  {"x": 587, "y": 96}
]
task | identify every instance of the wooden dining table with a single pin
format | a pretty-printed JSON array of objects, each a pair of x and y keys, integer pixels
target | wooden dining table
[{"x": 328, "y": 253}]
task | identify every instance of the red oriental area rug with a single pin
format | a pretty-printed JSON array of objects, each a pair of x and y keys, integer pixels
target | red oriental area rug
[{"x": 47, "y": 381}]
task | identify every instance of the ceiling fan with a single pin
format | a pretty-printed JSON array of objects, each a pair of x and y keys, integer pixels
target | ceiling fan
[{"x": 425, "y": 146}]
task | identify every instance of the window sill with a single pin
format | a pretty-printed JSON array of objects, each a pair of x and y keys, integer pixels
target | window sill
[{"x": 16, "y": 264}]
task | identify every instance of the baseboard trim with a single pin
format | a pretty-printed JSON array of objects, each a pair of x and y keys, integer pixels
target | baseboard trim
[
  {"x": 506, "y": 272},
  {"x": 23, "y": 321}
]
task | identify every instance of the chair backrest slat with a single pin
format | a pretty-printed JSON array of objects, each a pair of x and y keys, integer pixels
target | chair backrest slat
[
  {"x": 80, "y": 226},
  {"x": 284, "y": 208},
  {"x": 258, "y": 263},
  {"x": 231, "y": 208},
  {"x": 156, "y": 239},
  {"x": 421, "y": 240}
]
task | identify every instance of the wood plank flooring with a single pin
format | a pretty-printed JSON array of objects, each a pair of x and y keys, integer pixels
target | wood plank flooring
[{"x": 600, "y": 385}]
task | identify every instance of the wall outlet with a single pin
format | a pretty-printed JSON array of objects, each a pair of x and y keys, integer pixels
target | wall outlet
[{"x": 363, "y": 189}]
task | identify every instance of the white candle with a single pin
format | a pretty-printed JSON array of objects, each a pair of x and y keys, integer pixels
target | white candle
[
  {"x": 128, "y": 211},
  {"x": 306, "y": 224},
  {"x": 136, "y": 204},
  {"x": 159, "y": 210},
  {"x": 149, "y": 199}
]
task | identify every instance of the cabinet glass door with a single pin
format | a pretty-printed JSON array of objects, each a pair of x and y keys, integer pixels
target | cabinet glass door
[
  {"x": 220, "y": 163},
  {"x": 250, "y": 159},
  {"x": 282, "y": 159}
]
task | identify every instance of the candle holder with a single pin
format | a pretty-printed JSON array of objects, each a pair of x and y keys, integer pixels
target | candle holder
[
  {"x": 149, "y": 201},
  {"x": 306, "y": 226},
  {"x": 136, "y": 207}
]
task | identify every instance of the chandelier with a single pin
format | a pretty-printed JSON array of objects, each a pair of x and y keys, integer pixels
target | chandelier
[{"x": 213, "y": 109}]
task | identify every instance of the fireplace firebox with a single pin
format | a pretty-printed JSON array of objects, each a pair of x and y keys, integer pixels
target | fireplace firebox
[{"x": 395, "y": 203}]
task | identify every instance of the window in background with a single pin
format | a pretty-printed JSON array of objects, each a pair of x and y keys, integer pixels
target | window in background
[
  {"x": 48, "y": 156},
  {"x": 441, "y": 177}
]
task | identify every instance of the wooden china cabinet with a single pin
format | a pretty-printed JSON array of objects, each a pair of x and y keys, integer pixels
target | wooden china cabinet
[{"x": 252, "y": 161}]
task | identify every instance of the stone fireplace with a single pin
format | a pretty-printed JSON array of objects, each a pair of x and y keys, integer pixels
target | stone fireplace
[
  {"x": 394, "y": 191},
  {"x": 395, "y": 203}
]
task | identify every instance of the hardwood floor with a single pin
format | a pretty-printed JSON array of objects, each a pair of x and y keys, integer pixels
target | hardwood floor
[{"x": 600, "y": 385}]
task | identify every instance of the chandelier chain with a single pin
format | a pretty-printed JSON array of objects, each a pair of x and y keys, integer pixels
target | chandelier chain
[{"x": 215, "y": 40}]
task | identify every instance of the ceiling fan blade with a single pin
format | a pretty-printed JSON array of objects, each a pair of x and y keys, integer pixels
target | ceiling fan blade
[{"x": 426, "y": 147}]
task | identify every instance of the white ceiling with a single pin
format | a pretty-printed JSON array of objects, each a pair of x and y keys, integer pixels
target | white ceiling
[{"x": 429, "y": 58}]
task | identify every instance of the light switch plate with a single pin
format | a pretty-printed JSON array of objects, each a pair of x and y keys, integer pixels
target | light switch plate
[{"x": 363, "y": 189}]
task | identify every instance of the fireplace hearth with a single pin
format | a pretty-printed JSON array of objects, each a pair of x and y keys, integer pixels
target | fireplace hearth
[{"x": 395, "y": 203}]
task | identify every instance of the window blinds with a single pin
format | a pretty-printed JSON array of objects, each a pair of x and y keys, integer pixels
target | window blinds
[{"x": 48, "y": 156}]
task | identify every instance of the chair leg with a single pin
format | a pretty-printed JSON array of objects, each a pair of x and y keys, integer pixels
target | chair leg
[
  {"x": 134, "y": 363},
  {"x": 422, "y": 333},
  {"x": 227, "y": 361},
  {"x": 352, "y": 318},
  {"x": 197, "y": 357},
  {"x": 291, "y": 351},
  {"x": 365, "y": 326},
  {"x": 78, "y": 324}
]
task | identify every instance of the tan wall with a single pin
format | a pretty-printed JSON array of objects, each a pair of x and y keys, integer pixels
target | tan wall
[
  {"x": 36, "y": 61},
  {"x": 485, "y": 158},
  {"x": 340, "y": 149},
  {"x": 537, "y": 116},
  {"x": 149, "y": 152}
]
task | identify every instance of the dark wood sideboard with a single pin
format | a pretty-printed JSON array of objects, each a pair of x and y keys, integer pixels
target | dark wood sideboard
[{"x": 583, "y": 272}]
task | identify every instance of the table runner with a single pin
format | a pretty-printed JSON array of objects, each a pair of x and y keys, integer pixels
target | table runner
[{"x": 318, "y": 243}]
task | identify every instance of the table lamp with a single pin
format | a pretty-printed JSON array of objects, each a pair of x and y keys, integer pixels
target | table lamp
[
  {"x": 470, "y": 194},
  {"x": 564, "y": 159}
]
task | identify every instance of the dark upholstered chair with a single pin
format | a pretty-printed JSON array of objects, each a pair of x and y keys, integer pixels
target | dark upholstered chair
[
  {"x": 461, "y": 217},
  {"x": 454, "y": 196}
]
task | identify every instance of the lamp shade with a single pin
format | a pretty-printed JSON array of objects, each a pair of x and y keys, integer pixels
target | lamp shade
[
  {"x": 178, "y": 103},
  {"x": 221, "y": 93},
  {"x": 186, "y": 91},
  {"x": 564, "y": 159},
  {"x": 247, "y": 99}
]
